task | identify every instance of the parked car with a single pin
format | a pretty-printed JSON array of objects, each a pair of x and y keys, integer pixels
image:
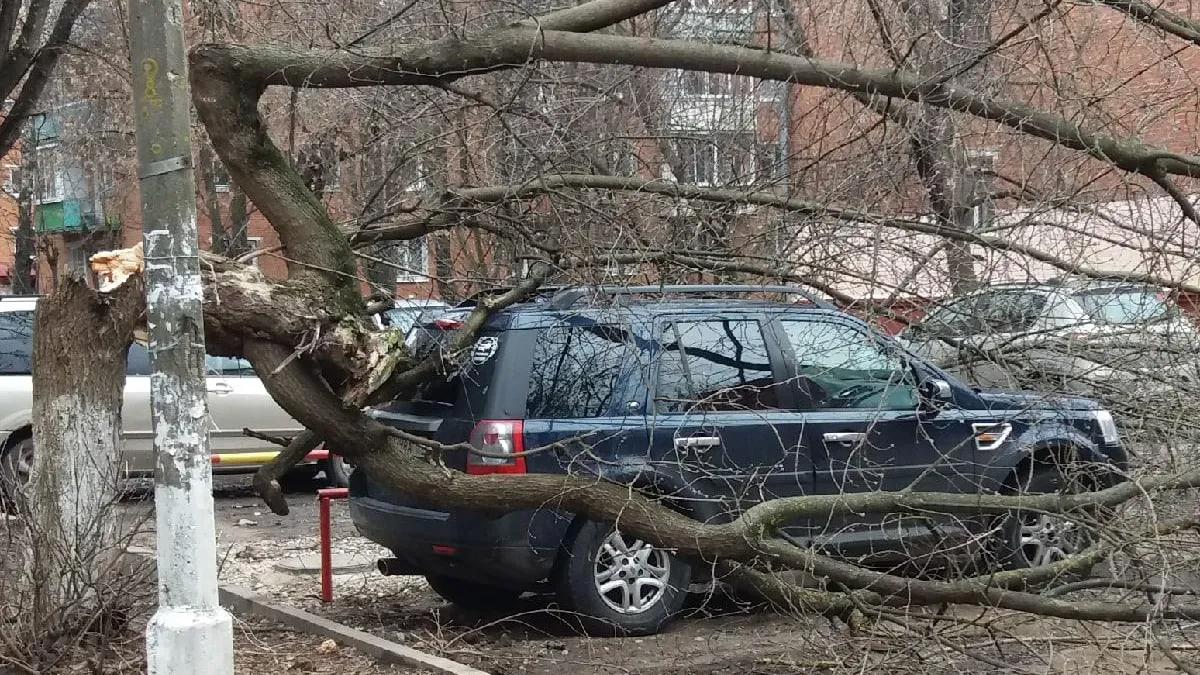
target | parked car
[
  {"x": 714, "y": 403},
  {"x": 409, "y": 312},
  {"x": 236, "y": 400},
  {"x": 1085, "y": 337}
]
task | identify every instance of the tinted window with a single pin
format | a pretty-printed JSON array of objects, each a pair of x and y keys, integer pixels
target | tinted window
[
  {"x": 715, "y": 365},
  {"x": 16, "y": 343},
  {"x": 838, "y": 366},
  {"x": 576, "y": 371},
  {"x": 1124, "y": 306}
]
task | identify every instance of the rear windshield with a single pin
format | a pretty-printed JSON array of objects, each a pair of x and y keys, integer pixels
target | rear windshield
[
  {"x": 1125, "y": 306},
  {"x": 445, "y": 390}
]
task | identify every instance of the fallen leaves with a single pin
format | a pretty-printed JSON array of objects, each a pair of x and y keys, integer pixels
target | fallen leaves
[{"x": 328, "y": 647}]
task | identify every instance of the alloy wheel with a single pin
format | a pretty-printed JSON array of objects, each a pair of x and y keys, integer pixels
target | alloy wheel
[{"x": 631, "y": 576}]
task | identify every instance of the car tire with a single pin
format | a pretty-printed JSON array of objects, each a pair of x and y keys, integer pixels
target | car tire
[
  {"x": 15, "y": 465},
  {"x": 1031, "y": 539},
  {"x": 617, "y": 584},
  {"x": 472, "y": 596},
  {"x": 337, "y": 471}
]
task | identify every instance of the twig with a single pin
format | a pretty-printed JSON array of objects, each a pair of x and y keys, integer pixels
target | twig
[{"x": 275, "y": 440}]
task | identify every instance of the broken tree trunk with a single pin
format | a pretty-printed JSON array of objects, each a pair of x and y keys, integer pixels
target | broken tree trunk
[{"x": 80, "y": 341}]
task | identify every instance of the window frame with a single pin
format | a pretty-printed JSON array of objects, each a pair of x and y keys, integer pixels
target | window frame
[{"x": 775, "y": 355}]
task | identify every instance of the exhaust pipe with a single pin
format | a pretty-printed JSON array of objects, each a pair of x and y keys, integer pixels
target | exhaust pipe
[{"x": 389, "y": 567}]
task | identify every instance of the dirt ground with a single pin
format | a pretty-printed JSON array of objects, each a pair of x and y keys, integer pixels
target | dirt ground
[{"x": 718, "y": 638}]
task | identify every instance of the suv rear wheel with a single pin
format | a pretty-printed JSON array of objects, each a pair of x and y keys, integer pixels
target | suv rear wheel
[
  {"x": 473, "y": 596},
  {"x": 618, "y": 584}
]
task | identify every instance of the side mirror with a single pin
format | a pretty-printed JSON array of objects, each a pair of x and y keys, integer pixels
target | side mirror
[{"x": 935, "y": 394}]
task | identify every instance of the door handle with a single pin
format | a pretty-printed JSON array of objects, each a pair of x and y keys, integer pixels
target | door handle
[
  {"x": 220, "y": 388},
  {"x": 845, "y": 437},
  {"x": 697, "y": 442}
]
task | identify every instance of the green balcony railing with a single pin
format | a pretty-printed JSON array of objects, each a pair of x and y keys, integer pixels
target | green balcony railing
[{"x": 70, "y": 215}]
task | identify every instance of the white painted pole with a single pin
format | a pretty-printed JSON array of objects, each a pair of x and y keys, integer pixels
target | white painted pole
[{"x": 190, "y": 634}]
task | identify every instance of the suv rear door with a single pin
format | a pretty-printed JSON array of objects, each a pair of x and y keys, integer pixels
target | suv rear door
[
  {"x": 859, "y": 399},
  {"x": 721, "y": 417},
  {"x": 238, "y": 400}
]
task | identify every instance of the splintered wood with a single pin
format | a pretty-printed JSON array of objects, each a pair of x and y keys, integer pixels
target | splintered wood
[{"x": 113, "y": 268}]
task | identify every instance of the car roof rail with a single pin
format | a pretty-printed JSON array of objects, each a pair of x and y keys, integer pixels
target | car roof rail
[{"x": 569, "y": 297}]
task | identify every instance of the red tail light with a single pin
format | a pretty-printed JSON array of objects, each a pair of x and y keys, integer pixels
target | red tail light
[
  {"x": 497, "y": 437},
  {"x": 445, "y": 323}
]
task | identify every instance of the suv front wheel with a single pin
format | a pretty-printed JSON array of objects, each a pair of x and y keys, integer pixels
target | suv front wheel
[
  {"x": 618, "y": 584},
  {"x": 1032, "y": 538}
]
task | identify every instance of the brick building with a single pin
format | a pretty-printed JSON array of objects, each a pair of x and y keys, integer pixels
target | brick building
[{"x": 730, "y": 131}]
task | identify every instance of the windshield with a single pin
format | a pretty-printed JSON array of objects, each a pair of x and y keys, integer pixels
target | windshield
[{"x": 1125, "y": 305}]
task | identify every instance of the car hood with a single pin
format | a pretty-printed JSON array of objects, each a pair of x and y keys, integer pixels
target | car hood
[{"x": 1008, "y": 400}]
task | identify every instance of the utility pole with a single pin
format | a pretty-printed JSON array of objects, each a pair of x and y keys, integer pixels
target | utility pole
[{"x": 190, "y": 634}]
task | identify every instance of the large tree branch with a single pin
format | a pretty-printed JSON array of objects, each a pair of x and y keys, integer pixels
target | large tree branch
[
  {"x": 451, "y": 59},
  {"x": 549, "y": 183},
  {"x": 1162, "y": 19}
]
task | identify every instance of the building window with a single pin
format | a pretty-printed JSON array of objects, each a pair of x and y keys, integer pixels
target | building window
[
  {"x": 51, "y": 180},
  {"x": 717, "y": 159},
  {"x": 980, "y": 170},
  {"x": 699, "y": 83},
  {"x": 220, "y": 176},
  {"x": 12, "y": 179},
  {"x": 412, "y": 260},
  {"x": 253, "y": 244}
]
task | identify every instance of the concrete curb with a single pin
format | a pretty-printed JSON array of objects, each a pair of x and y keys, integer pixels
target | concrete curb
[{"x": 242, "y": 601}]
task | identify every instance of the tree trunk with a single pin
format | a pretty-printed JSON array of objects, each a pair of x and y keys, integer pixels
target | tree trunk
[
  {"x": 940, "y": 157},
  {"x": 212, "y": 201},
  {"x": 24, "y": 248},
  {"x": 80, "y": 342}
]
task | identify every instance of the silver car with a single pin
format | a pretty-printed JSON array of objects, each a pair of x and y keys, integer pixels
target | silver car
[
  {"x": 1078, "y": 336},
  {"x": 236, "y": 400}
]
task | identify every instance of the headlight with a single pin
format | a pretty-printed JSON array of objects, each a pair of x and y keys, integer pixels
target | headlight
[{"x": 1108, "y": 427}]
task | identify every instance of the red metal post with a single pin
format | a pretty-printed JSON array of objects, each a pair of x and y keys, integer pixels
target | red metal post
[{"x": 323, "y": 498}]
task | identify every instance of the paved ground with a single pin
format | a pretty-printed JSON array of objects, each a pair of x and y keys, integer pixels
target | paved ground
[
  {"x": 243, "y": 518},
  {"x": 720, "y": 638}
]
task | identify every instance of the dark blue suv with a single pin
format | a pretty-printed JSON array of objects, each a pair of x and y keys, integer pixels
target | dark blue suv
[{"x": 714, "y": 404}]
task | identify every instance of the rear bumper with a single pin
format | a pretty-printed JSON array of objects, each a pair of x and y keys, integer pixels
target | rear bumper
[{"x": 517, "y": 550}]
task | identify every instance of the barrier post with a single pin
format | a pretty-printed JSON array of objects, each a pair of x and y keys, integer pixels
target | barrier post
[{"x": 324, "y": 497}]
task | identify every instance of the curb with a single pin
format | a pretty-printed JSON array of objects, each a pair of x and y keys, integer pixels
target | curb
[{"x": 242, "y": 601}]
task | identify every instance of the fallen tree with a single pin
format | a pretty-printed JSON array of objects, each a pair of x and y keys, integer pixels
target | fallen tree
[{"x": 310, "y": 342}]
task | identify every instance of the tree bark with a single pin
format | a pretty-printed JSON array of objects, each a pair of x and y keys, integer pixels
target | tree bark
[
  {"x": 80, "y": 342},
  {"x": 25, "y": 244}
]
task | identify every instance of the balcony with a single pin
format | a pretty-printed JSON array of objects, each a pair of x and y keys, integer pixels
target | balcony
[{"x": 70, "y": 215}]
